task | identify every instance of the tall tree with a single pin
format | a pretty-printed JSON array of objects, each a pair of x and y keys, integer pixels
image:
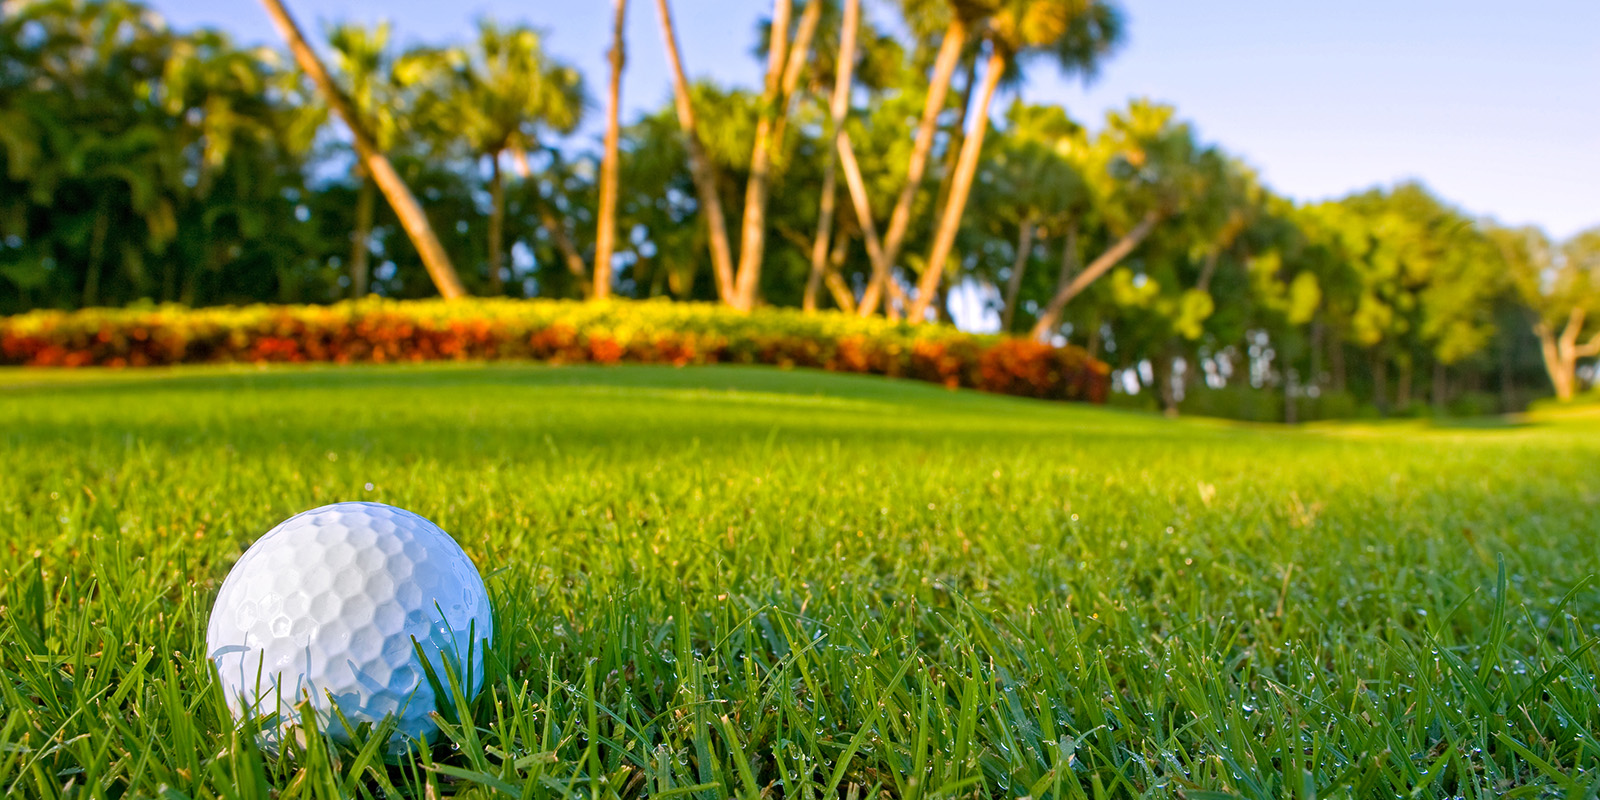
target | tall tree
[
  {"x": 785, "y": 62},
  {"x": 497, "y": 97},
  {"x": 1148, "y": 168},
  {"x": 752, "y": 232},
  {"x": 839, "y": 107},
  {"x": 365, "y": 63},
  {"x": 703, "y": 171},
  {"x": 959, "y": 15},
  {"x": 1031, "y": 183},
  {"x": 405, "y": 205},
  {"x": 606, "y": 219},
  {"x": 1077, "y": 35},
  {"x": 1561, "y": 287}
]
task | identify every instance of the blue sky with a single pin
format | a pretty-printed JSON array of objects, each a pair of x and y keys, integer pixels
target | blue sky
[{"x": 1494, "y": 105}]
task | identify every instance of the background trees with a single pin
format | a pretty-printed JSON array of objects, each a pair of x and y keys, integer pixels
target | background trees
[
  {"x": 1560, "y": 285},
  {"x": 872, "y": 172},
  {"x": 491, "y": 99},
  {"x": 364, "y": 60},
  {"x": 373, "y": 160}
]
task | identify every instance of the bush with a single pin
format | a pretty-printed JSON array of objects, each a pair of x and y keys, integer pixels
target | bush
[{"x": 654, "y": 332}]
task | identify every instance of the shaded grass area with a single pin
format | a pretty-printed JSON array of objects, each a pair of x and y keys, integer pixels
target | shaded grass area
[{"x": 715, "y": 582}]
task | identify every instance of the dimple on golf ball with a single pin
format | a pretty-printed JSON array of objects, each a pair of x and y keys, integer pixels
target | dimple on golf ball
[{"x": 326, "y": 606}]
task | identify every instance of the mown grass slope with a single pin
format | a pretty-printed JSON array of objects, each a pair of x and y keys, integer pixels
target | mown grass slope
[{"x": 715, "y": 582}]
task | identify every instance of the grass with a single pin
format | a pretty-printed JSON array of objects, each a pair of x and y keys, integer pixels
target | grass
[{"x": 737, "y": 582}]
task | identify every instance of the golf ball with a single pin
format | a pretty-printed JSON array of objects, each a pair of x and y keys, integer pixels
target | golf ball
[{"x": 325, "y": 608}]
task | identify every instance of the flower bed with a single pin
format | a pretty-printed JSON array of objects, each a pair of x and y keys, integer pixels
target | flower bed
[{"x": 654, "y": 332}]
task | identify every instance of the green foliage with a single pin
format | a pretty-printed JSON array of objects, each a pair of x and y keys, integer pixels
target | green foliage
[
  {"x": 1554, "y": 280},
  {"x": 140, "y": 163},
  {"x": 709, "y": 582},
  {"x": 1426, "y": 275},
  {"x": 497, "y": 95}
]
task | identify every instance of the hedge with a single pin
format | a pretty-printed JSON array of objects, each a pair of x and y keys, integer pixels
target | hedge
[{"x": 556, "y": 331}]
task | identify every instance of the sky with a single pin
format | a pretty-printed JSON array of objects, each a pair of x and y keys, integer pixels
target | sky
[{"x": 1494, "y": 105}]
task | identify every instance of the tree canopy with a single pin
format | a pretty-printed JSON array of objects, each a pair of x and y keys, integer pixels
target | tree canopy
[{"x": 139, "y": 163}]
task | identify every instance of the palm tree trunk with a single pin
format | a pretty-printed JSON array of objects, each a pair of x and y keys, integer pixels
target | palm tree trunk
[
  {"x": 958, "y": 131},
  {"x": 1069, "y": 257},
  {"x": 799, "y": 55},
  {"x": 1161, "y": 370},
  {"x": 1008, "y": 314},
  {"x": 557, "y": 231},
  {"x": 97, "y": 250},
  {"x": 753, "y": 230},
  {"x": 497, "y": 223},
  {"x": 1052, "y": 314},
  {"x": 700, "y": 167},
  {"x": 389, "y": 182},
  {"x": 361, "y": 238},
  {"x": 842, "y": 296},
  {"x": 606, "y": 222},
  {"x": 838, "y": 108},
  {"x": 858, "y": 195},
  {"x": 944, "y": 68},
  {"x": 569, "y": 253},
  {"x": 897, "y": 301},
  {"x": 966, "y": 168},
  {"x": 519, "y": 162},
  {"x": 1208, "y": 271},
  {"x": 819, "y": 244}
]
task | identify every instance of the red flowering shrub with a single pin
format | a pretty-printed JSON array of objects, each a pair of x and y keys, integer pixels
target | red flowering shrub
[{"x": 556, "y": 331}]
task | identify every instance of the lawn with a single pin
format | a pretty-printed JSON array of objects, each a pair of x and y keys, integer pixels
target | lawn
[{"x": 715, "y": 582}]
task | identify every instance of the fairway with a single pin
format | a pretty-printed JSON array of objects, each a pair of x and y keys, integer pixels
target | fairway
[{"x": 745, "y": 582}]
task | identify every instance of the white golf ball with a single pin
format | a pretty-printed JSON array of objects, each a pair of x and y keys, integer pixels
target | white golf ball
[{"x": 325, "y": 608}]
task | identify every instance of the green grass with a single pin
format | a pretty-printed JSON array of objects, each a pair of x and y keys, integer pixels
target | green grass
[{"x": 749, "y": 583}]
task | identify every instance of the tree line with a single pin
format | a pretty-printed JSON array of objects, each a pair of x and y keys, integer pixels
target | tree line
[{"x": 871, "y": 171}]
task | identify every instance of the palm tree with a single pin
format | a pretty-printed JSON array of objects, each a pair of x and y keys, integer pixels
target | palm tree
[
  {"x": 377, "y": 165},
  {"x": 1153, "y": 169},
  {"x": 785, "y": 62},
  {"x": 1076, "y": 34},
  {"x": 960, "y": 15},
  {"x": 753, "y": 230},
  {"x": 1034, "y": 181},
  {"x": 701, "y": 168},
  {"x": 498, "y": 97},
  {"x": 839, "y": 107},
  {"x": 363, "y": 59},
  {"x": 606, "y": 218}
]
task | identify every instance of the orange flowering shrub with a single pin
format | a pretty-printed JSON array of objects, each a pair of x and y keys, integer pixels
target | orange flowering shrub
[{"x": 651, "y": 332}]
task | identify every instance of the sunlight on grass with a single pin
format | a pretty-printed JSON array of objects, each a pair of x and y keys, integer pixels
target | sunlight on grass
[{"x": 718, "y": 582}]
